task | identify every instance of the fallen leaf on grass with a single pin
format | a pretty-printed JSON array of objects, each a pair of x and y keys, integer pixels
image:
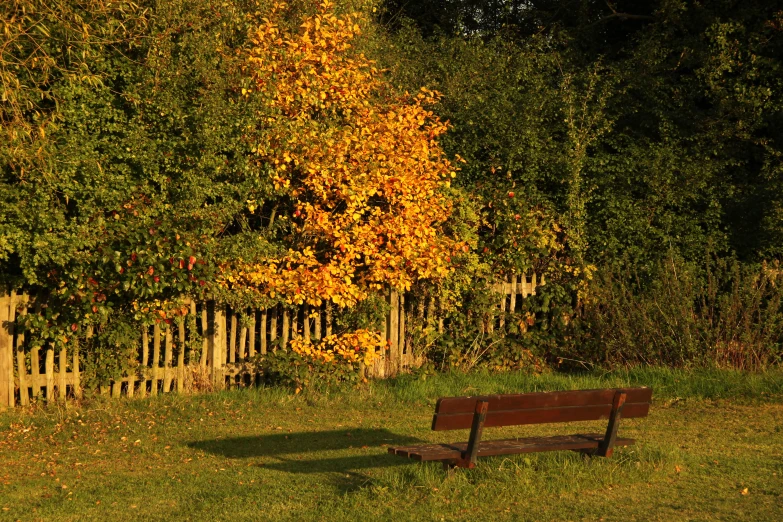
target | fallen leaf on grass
[{"x": 745, "y": 491}]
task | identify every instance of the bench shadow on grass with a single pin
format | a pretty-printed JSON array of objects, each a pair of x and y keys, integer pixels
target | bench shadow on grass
[{"x": 291, "y": 452}]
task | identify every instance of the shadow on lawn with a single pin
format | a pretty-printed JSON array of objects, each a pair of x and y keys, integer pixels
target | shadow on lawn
[{"x": 289, "y": 449}]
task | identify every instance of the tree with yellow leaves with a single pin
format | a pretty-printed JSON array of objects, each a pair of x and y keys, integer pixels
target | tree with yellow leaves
[{"x": 356, "y": 164}]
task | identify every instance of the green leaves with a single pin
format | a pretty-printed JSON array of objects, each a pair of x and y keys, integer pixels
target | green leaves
[{"x": 142, "y": 167}]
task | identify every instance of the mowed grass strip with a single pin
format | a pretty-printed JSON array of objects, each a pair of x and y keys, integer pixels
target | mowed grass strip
[{"x": 711, "y": 449}]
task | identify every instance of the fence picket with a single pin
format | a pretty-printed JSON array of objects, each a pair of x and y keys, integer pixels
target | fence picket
[
  {"x": 63, "y": 366},
  {"x": 251, "y": 343},
  {"x": 76, "y": 371},
  {"x": 155, "y": 357},
  {"x": 295, "y": 325},
  {"x": 49, "y": 372},
  {"x": 167, "y": 356},
  {"x": 513, "y": 289},
  {"x": 273, "y": 327},
  {"x": 242, "y": 343},
  {"x": 181, "y": 355},
  {"x": 6, "y": 352},
  {"x": 503, "y": 287},
  {"x": 218, "y": 345},
  {"x": 401, "y": 335},
  {"x": 232, "y": 345},
  {"x": 204, "y": 336},
  {"x": 317, "y": 319},
  {"x": 263, "y": 331},
  {"x": 394, "y": 331},
  {"x": 286, "y": 326}
]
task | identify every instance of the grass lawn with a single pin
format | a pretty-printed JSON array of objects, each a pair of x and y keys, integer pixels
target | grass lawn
[{"x": 711, "y": 449}]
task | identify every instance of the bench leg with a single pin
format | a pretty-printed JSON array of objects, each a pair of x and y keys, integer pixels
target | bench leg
[
  {"x": 606, "y": 448},
  {"x": 468, "y": 459}
]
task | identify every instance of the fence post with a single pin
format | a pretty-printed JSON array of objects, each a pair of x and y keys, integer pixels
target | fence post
[
  {"x": 218, "y": 341},
  {"x": 6, "y": 352},
  {"x": 394, "y": 333}
]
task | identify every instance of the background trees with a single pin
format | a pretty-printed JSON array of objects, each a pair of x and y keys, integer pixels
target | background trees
[
  {"x": 649, "y": 131},
  {"x": 261, "y": 153}
]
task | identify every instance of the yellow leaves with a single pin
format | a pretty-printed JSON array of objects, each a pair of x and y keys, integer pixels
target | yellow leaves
[
  {"x": 349, "y": 348},
  {"x": 364, "y": 170}
]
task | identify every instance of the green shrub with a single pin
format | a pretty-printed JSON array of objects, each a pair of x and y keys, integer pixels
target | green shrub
[{"x": 725, "y": 314}]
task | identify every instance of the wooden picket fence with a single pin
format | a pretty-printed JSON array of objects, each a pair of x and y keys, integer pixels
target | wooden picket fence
[{"x": 210, "y": 348}]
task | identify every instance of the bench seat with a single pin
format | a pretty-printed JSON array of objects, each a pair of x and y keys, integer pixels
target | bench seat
[{"x": 585, "y": 441}]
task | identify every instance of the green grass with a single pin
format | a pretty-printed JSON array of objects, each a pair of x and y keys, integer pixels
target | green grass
[{"x": 264, "y": 454}]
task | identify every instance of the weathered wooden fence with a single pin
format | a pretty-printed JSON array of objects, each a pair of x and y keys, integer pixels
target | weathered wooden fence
[{"x": 211, "y": 347}]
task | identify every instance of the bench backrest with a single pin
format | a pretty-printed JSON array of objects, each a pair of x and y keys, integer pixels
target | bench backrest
[{"x": 455, "y": 413}]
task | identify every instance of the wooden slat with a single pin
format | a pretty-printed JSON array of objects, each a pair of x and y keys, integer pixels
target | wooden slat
[
  {"x": 181, "y": 355},
  {"x": 192, "y": 313},
  {"x": 401, "y": 337},
  {"x": 204, "y": 336},
  {"x": 155, "y": 363},
  {"x": 77, "y": 385},
  {"x": 541, "y": 400},
  {"x": 167, "y": 357},
  {"x": 533, "y": 284},
  {"x": 294, "y": 324},
  {"x": 263, "y": 330},
  {"x": 242, "y": 354},
  {"x": 384, "y": 335},
  {"x": 145, "y": 345},
  {"x": 14, "y": 299},
  {"x": 394, "y": 331},
  {"x": 76, "y": 371},
  {"x": 457, "y": 421},
  {"x": 69, "y": 379},
  {"x": 233, "y": 338},
  {"x": 513, "y": 300},
  {"x": 273, "y": 326},
  {"x": 21, "y": 366},
  {"x": 503, "y": 298},
  {"x": 6, "y": 353},
  {"x": 145, "y": 350},
  {"x": 251, "y": 349},
  {"x": 63, "y": 367},
  {"x": 429, "y": 452},
  {"x": 218, "y": 344},
  {"x": 35, "y": 369},
  {"x": 306, "y": 327},
  {"x": 318, "y": 318},
  {"x": 49, "y": 372},
  {"x": 116, "y": 388},
  {"x": 286, "y": 326}
]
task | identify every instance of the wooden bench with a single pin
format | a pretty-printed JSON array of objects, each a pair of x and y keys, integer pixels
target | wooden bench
[{"x": 477, "y": 413}]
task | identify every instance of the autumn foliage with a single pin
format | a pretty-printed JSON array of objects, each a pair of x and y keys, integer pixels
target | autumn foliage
[
  {"x": 358, "y": 163},
  {"x": 354, "y": 347}
]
